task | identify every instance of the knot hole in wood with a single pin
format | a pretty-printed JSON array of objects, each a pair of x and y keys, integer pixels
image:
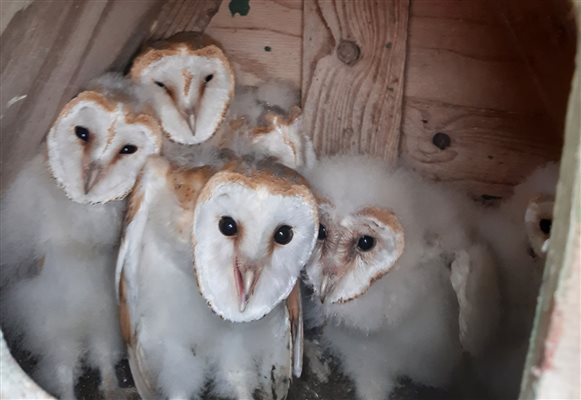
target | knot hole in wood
[
  {"x": 441, "y": 140},
  {"x": 348, "y": 52}
]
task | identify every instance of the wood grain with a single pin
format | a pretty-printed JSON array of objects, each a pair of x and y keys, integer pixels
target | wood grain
[
  {"x": 544, "y": 34},
  {"x": 263, "y": 44},
  {"x": 466, "y": 79},
  {"x": 183, "y": 15},
  {"x": 489, "y": 150},
  {"x": 10, "y": 7},
  {"x": 355, "y": 104},
  {"x": 460, "y": 53}
]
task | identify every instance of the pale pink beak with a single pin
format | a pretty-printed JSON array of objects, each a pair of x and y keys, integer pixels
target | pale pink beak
[
  {"x": 191, "y": 119},
  {"x": 92, "y": 175},
  {"x": 246, "y": 276},
  {"x": 326, "y": 288}
]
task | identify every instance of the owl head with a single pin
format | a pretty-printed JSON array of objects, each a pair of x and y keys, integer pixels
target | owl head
[
  {"x": 359, "y": 239},
  {"x": 101, "y": 140},
  {"x": 532, "y": 203},
  {"x": 255, "y": 226},
  {"x": 191, "y": 82},
  {"x": 353, "y": 250}
]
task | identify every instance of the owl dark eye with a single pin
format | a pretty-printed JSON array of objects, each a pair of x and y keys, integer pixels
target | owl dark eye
[
  {"x": 82, "y": 133},
  {"x": 545, "y": 225},
  {"x": 160, "y": 84},
  {"x": 227, "y": 226},
  {"x": 365, "y": 243},
  {"x": 283, "y": 234},
  {"x": 209, "y": 78},
  {"x": 322, "y": 232},
  {"x": 128, "y": 149}
]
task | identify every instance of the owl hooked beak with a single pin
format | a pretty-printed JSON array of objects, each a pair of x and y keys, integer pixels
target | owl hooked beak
[
  {"x": 332, "y": 274},
  {"x": 246, "y": 276},
  {"x": 327, "y": 287},
  {"x": 191, "y": 119},
  {"x": 91, "y": 175}
]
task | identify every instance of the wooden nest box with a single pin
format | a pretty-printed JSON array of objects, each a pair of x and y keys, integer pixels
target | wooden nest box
[{"x": 474, "y": 92}]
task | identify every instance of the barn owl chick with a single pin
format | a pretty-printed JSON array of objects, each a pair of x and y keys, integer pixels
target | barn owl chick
[
  {"x": 191, "y": 83},
  {"x": 277, "y": 135},
  {"x": 381, "y": 270},
  {"x": 231, "y": 240},
  {"x": 61, "y": 222},
  {"x": 519, "y": 232},
  {"x": 251, "y": 104},
  {"x": 262, "y": 120}
]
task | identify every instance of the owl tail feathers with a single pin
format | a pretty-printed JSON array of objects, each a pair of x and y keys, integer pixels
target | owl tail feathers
[{"x": 474, "y": 279}]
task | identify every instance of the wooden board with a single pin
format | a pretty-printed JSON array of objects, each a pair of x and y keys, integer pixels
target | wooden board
[
  {"x": 488, "y": 152},
  {"x": 354, "y": 56},
  {"x": 183, "y": 15},
  {"x": 543, "y": 33},
  {"x": 466, "y": 80},
  {"x": 262, "y": 38}
]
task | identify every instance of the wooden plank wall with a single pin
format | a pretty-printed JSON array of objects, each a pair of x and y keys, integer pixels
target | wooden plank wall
[
  {"x": 262, "y": 37},
  {"x": 466, "y": 80},
  {"x": 451, "y": 88},
  {"x": 469, "y": 89},
  {"x": 538, "y": 28},
  {"x": 353, "y": 75}
]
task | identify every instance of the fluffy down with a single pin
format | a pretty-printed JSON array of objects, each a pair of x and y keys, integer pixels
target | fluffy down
[
  {"x": 407, "y": 321},
  {"x": 57, "y": 273},
  {"x": 162, "y": 300},
  {"x": 252, "y": 102},
  {"x": 520, "y": 273},
  {"x": 115, "y": 86}
]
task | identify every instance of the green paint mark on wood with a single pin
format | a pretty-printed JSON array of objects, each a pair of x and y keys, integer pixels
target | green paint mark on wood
[
  {"x": 241, "y": 7},
  {"x": 267, "y": 48},
  {"x": 388, "y": 45}
]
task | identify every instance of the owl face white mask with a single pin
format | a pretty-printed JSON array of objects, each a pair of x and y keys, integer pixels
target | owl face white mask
[
  {"x": 98, "y": 145},
  {"x": 253, "y": 233}
]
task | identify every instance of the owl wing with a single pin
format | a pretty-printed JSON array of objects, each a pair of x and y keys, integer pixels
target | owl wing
[
  {"x": 128, "y": 267},
  {"x": 295, "y": 313},
  {"x": 474, "y": 279}
]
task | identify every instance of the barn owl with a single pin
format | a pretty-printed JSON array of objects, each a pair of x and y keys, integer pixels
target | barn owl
[
  {"x": 191, "y": 83},
  {"x": 278, "y": 134},
  {"x": 61, "y": 223},
  {"x": 207, "y": 277},
  {"x": 381, "y": 270},
  {"x": 519, "y": 232}
]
